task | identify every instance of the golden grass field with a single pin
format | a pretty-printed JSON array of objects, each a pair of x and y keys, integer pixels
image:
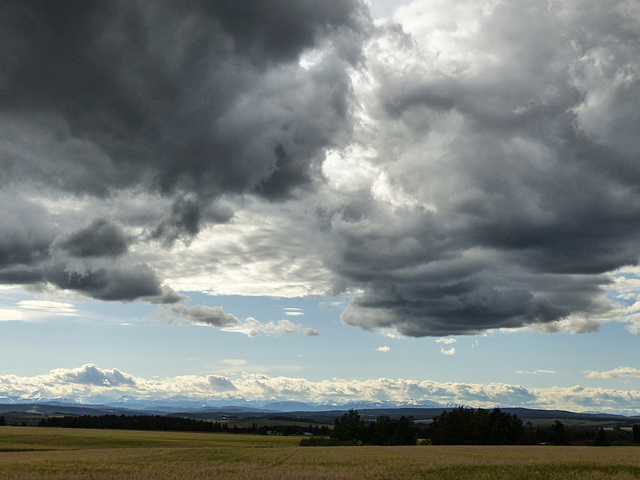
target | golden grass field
[{"x": 50, "y": 453}]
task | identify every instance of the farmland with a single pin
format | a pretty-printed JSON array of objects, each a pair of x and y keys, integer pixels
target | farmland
[{"x": 52, "y": 453}]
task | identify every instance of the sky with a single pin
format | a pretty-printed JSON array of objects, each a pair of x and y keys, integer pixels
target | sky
[{"x": 328, "y": 202}]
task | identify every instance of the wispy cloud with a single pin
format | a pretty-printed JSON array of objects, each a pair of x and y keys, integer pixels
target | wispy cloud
[
  {"x": 446, "y": 341},
  {"x": 34, "y": 310},
  {"x": 216, "y": 317},
  {"x": 620, "y": 372},
  {"x": 535, "y": 372},
  {"x": 8, "y": 315},
  {"x": 383, "y": 349},
  {"x": 252, "y": 327}
]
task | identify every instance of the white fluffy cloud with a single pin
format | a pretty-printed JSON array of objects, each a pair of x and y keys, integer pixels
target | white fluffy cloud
[{"x": 93, "y": 384}]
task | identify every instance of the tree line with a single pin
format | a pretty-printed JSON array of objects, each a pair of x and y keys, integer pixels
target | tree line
[
  {"x": 462, "y": 426},
  {"x": 467, "y": 426},
  {"x": 559, "y": 434},
  {"x": 351, "y": 429},
  {"x": 177, "y": 424}
]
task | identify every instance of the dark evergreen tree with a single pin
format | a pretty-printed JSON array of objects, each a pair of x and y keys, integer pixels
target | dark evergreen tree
[
  {"x": 349, "y": 428},
  {"x": 388, "y": 431},
  {"x": 559, "y": 434},
  {"x": 466, "y": 426},
  {"x": 602, "y": 439}
]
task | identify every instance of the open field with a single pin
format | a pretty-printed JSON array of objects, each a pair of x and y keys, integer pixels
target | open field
[{"x": 50, "y": 453}]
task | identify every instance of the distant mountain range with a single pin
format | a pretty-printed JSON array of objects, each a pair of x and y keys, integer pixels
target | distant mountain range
[
  {"x": 172, "y": 405},
  {"x": 298, "y": 411}
]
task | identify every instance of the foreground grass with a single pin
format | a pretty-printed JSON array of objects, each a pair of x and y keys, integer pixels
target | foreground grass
[{"x": 38, "y": 453}]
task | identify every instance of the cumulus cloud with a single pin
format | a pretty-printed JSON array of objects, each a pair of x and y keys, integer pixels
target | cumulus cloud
[
  {"x": 384, "y": 349},
  {"x": 130, "y": 111},
  {"x": 572, "y": 323},
  {"x": 99, "y": 239},
  {"x": 450, "y": 351},
  {"x": 500, "y": 135},
  {"x": 221, "y": 384},
  {"x": 446, "y": 341},
  {"x": 90, "y": 383},
  {"x": 92, "y": 375},
  {"x": 180, "y": 104},
  {"x": 457, "y": 169}
]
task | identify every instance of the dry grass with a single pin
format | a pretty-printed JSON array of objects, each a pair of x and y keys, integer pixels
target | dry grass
[{"x": 35, "y": 453}]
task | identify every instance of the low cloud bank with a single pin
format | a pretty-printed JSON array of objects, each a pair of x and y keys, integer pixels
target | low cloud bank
[{"x": 92, "y": 384}]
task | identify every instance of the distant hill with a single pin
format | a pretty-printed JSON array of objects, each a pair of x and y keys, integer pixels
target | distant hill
[{"x": 299, "y": 412}]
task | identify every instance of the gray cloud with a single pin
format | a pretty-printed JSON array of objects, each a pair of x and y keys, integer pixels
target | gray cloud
[
  {"x": 227, "y": 322},
  {"x": 511, "y": 153},
  {"x": 117, "y": 282},
  {"x": 180, "y": 103},
  {"x": 27, "y": 232},
  {"x": 221, "y": 384},
  {"x": 202, "y": 315},
  {"x": 487, "y": 174},
  {"x": 310, "y": 332},
  {"x": 92, "y": 260},
  {"x": 200, "y": 97},
  {"x": 99, "y": 239}
]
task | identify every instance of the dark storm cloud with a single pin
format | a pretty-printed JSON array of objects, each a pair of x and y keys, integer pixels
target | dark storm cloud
[
  {"x": 278, "y": 29},
  {"x": 26, "y": 233},
  {"x": 122, "y": 283},
  {"x": 503, "y": 138},
  {"x": 99, "y": 239},
  {"x": 200, "y": 97},
  {"x": 34, "y": 251},
  {"x": 185, "y": 217},
  {"x": 520, "y": 148},
  {"x": 190, "y": 101}
]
